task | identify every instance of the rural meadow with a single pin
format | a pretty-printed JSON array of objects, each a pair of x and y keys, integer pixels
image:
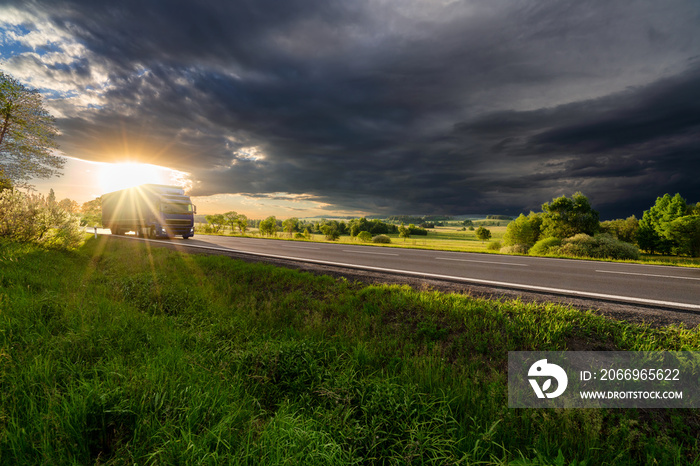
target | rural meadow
[{"x": 145, "y": 145}]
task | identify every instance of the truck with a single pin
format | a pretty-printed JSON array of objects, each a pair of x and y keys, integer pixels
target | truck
[{"x": 149, "y": 210}]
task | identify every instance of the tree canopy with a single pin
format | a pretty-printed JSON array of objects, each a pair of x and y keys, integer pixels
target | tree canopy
[
  {"x": 670, "y": 226},
  {"x": 564, "y": 217},
  {"x": 27, "y": 134}
]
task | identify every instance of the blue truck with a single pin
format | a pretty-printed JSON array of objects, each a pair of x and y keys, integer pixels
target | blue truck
[{"x": 149, "y": 210}]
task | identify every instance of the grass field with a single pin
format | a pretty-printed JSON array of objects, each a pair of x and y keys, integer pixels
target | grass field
[
  {"x": 449, "y": 238},
  {"x": 119, "y": 354}
]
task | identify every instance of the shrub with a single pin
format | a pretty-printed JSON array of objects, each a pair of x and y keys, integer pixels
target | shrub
[
  {"x": 601, "y": 246},
  {"x": 580, "y": 245},
  {"x": 546, "y": 246},
  {"x": 32, "y": 218},
  {"x": 381, "y": 239},
  {"x": 515, "y": 249},
  {"x": 494, "y": 246},
  {"x": 364, "y": 236}
]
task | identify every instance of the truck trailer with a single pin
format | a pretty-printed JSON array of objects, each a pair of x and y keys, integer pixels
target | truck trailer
[{"x": 149, "y": 210}]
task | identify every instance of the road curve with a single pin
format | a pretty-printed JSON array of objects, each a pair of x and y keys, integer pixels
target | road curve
[{"x": 658, "y": 286}]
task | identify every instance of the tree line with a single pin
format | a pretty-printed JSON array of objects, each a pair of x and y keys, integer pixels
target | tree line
[
  {"x": 294, "y": 227},
  {"x": 572, "y": 226}
]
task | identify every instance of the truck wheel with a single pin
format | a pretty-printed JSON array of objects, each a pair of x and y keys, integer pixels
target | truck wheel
[
  {"x": 152, "y": 233},
  {"x": 185, "y": 237}
]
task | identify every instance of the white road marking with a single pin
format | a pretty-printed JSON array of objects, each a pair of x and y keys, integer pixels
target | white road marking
[
  {"x": 368, "y": 252},
  {"x": 483, "y": 262},
  {"x": 585, "y": 294},
  {"x": 650, "y": 275}
]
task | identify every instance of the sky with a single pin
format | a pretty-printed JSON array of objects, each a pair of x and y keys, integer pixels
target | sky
[{"x": 369, "y": 107}]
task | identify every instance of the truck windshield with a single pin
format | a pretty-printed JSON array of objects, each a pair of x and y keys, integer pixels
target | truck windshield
[{"x": 175, "y": 208}]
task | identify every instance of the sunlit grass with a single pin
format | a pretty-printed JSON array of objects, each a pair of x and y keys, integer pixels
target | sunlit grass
[{"x": 122, "y": 354}]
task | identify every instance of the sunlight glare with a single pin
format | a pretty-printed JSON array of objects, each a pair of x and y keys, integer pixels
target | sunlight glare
[{"x": 116, "y": 176}]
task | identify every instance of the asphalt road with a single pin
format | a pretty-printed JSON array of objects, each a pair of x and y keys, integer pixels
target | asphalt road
[{"x": 658, "y": 286}]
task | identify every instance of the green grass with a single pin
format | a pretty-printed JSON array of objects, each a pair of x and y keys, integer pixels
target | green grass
[
  {"x": 118, "y": 354},
  {"x": 438, "y": 238}
]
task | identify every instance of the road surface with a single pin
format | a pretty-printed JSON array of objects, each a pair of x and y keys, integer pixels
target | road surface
[{"x": 657, "y": 286}]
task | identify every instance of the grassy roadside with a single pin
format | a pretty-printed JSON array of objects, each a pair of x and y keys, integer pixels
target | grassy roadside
[{"x": 118, "y": 353}]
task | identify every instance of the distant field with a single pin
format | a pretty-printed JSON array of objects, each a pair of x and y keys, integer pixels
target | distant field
[
  {"x": 448, "y": 238},
  {"x": 122, "y": 354}
]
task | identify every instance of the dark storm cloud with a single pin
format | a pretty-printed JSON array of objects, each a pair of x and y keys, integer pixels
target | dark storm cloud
[
  {"x": 643, "y": 139},
  {"x": 398, "y": 107}
]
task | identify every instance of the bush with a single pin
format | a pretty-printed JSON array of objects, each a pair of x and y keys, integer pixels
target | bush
[
  {"x": 32, "y": 218},
  {"x": 581, "y": 245},
  {"x": 601, "y": 246},
  {"x": 381, "y": 239},
  {"x": 515, "y": 249},
  {"x": 364, "y": 236},
  {"x": 494, "y": 246},
  {"x": 546, "y": 246}
]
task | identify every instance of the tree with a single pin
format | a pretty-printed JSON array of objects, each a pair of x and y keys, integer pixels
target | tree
[
  {"x": 27, "y": 134},
  {"x": 520, "y": 231},
  {"x": 331, "y": 232},
  {"x": 231, "y": 218},
  {"x": 217, "y": 221},
  {"x": 92, "y": 212},
  {"x": 5, "y": 183},
  {"x": 242, "y": 222},
  {"x": 290, "y": 225},
  {"x": 404, "y": 232},
  {"x": 69, "y": 205},
  {"x": 685, "y": 232},
  {"x": 483, "y": 234},
  {"x": 268, "y": 227},
  {"x": 359, "y": 224},
  {"x": 653, "y": 235},
  {"x": 564, "y": 217},
  {"x": 364, "y": 236},
  {"x": 622, "y": 229}
]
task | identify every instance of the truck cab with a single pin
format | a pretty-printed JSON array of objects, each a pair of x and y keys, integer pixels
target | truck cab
[{"x": 149, "y": 210}]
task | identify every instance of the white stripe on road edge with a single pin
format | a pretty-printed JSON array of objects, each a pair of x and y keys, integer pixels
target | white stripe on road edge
[
  {"x": 649, "y": 275},
  {"x": 544, "y": 289},
  {"x": 368, "y": 252},
  {"x": 482, "y": 262}
]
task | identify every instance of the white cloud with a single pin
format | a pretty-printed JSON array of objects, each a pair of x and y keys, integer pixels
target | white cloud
[{"x": 71, "y": 79}]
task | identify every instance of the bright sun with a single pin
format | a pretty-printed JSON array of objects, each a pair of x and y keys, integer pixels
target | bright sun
[{"x": 116, "y": 176}]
